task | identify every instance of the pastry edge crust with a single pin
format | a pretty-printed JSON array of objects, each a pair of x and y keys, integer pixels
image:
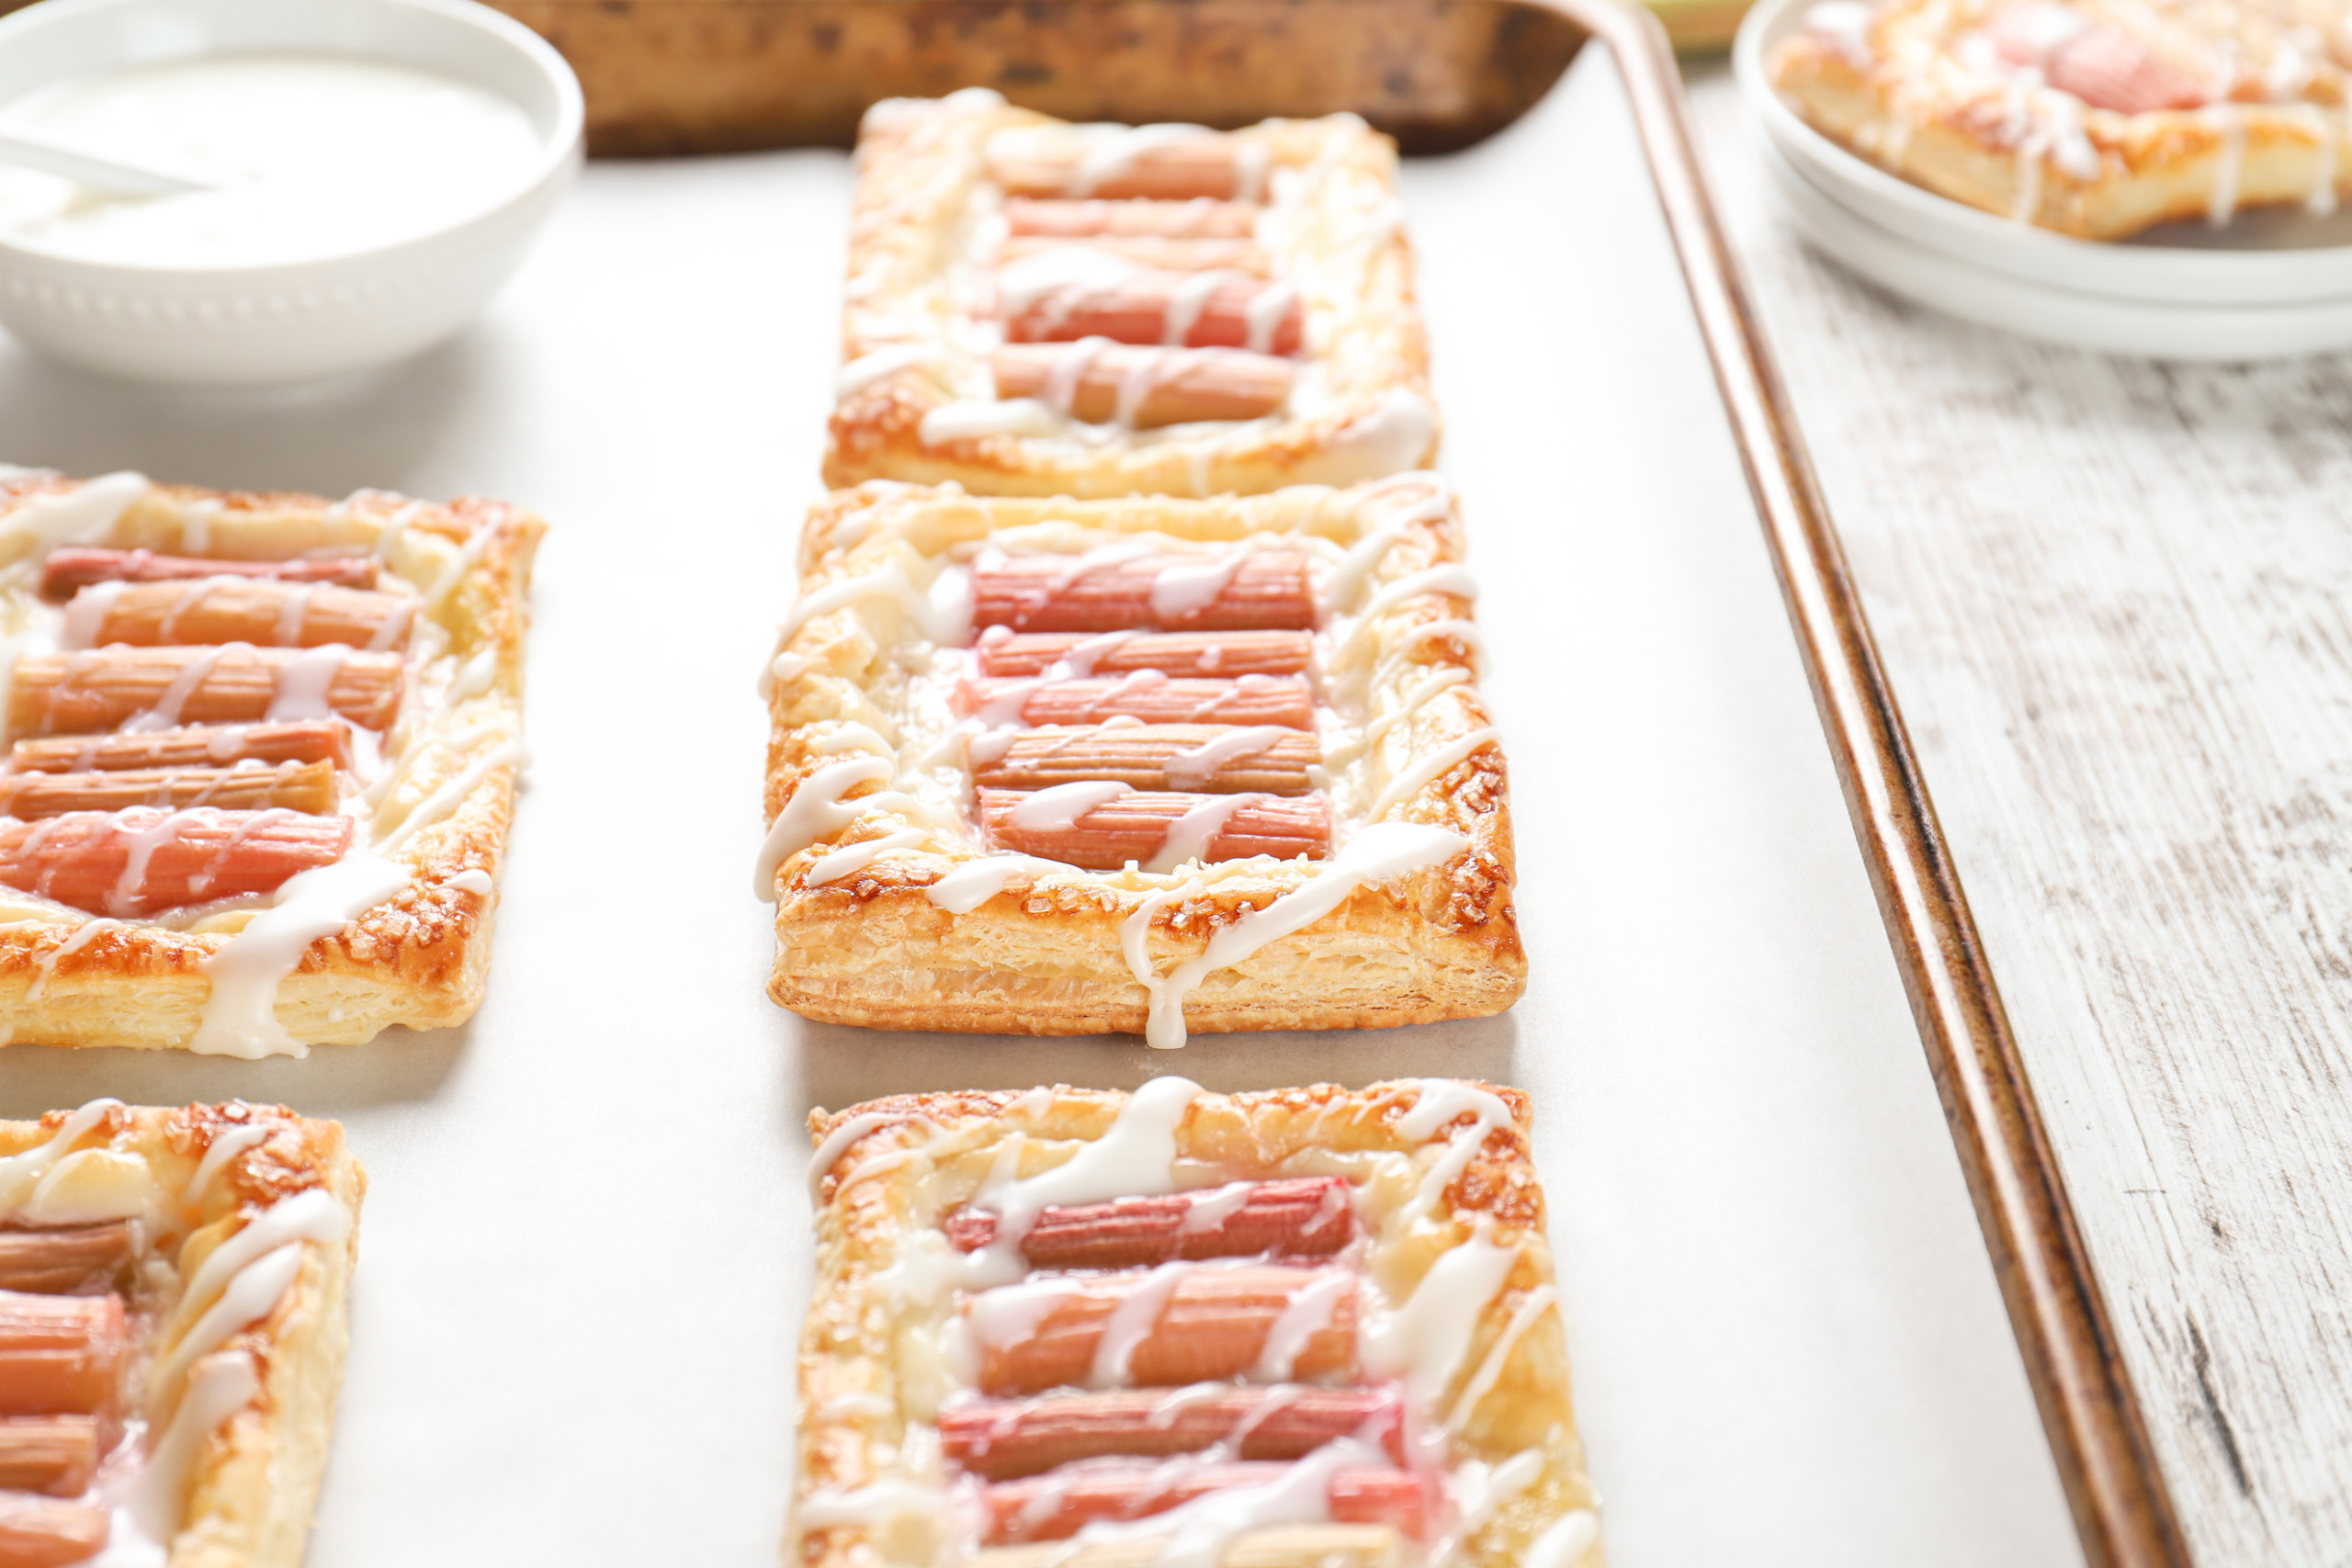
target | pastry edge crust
[
  {"x": 255, "y": 1484},
  {"x": 866, "y": 1203},
  {"x": 1430, "y": 945},
  {"x": 917, "y": 161},
  {"x": 420, "y": 959},
  {"x": 2157, "y": 167}
]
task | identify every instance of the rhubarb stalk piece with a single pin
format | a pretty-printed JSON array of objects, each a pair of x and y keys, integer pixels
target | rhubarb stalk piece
[
  {"x": 1275, "y": 1546},
  {"x": 1003, "y": 1441},
  {"x": 56, "y": 1454},
  {"x": 1097, "y": 381},
  {"x": 1197, "y": 219},
  {"x": 48, "y": 1532},
  {"x": 1180, "y": 1323},
  {"x": 1214, "y": 758},
  {"x": 238, "y": 609},
  {"x": 1172, "y": 309},
  {"x": 64, "y": 571},
  {"x": 189, "y": 746},
  {"x": 296, "y": 787},
  {"x": 1303, "y": 1216},
  {"x": 1005, "y": 653},
  {"x": 1053, "y": 160},
  {"x": 1058, "y": 1505},
  {"x": 130, "y": 865},
  {"x": 63, "y": 1261},
  {"x": 1145, "y": 695},
  {"x": 1161, "y": 254},
  {"x": 1238, "y": 591},
  {"x": 61, "y": 1355},
  {"x": 1160, "y": 829},
  {"x": 74, "y": 693}
]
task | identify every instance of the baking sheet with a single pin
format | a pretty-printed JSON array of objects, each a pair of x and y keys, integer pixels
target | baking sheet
[{"x": 584, "y": 1258}]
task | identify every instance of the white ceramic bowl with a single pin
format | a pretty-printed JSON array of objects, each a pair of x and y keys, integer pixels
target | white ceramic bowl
[
  {"x": 2272, "y": 283},
  {"x": 256, "y": 326}
]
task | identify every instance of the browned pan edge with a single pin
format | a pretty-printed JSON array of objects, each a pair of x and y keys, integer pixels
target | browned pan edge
[{"x": 2096, "y": 1432}]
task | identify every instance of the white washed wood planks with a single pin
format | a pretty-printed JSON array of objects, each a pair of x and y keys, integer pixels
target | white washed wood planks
[{"x": 2112, "y": 596}]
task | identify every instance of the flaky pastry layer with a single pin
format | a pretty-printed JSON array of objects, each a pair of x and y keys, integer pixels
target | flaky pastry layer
[
  {"x": 1435, "y": 1164},
  {"x": 441, "y": 810},
  {"x": 247, "y": 1494},
  {"x": 1917, "y": 90},
  {"x": 911, "y": 346},
  {"x": 864, "y": 672}
]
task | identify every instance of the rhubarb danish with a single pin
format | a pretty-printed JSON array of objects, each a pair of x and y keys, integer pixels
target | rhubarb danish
[
  {"x": 1062, "y": 767},
  {"x": 1308, "y": 1328},
  {"x": 261, "y": 758},
  {"x": 172, "y": 1306},
  {"x": 1036, "y": 308},
  {"x": 2094, "y": 117}
]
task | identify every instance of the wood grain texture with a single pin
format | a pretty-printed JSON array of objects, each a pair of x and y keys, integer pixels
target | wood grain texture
[{"x": 2112, "y": 595}]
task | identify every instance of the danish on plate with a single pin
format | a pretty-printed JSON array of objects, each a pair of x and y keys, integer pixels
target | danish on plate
[
  {"x": 2094, "y": 117},
  {"x": 1038, "y": 307},
  {"x": 1306, "y": 1328},
  {"x": 172, "y": 1330},
  {"x": 1067, "y": 766},
  {"x": 261, "y": 758}
]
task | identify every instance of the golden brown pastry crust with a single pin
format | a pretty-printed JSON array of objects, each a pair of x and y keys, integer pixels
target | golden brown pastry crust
[
  {"x": 1363, "y": 409},
  {"x": 1045, "y": 956},
  {"x": 423, "y": 957},
  {"x": 254, "y": 1481},
  {"x": 1907, "y": 100},
  {"x": 869, "y": 1377}
]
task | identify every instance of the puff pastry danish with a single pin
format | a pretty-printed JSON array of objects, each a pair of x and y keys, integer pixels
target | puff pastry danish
[
  {"x": 1072, "y": 1328},
  {"x": 1036, "y": 308},
  {"x": 1062, "y": 767},
  {"x": 261, "y": 757},
  {"x": 2094, "y": 117},
  {"x": 171, "y": 1330}
]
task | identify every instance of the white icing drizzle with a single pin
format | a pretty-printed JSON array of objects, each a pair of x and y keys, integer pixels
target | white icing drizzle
[
  {"x": 1069, "y": 372},
  {"x": 850, "y": 859},
  {"x": 1114, "y": 149},
  {"x": 2321, "y": 201},
  {"x": 240, "y": 1282},
  {"x": 86, "y": 613},
  {"x": 1565, "y": 1542},
  {"x": 1356, "y": 567},
  {"x": 78, "y": 517},
  {"x": 1191, "y": 586},
  {"x": 1131, "y": 1323},
  {"x": 1393, "y": 433},
  {"x": 1194, "y": 765},
  {"x": 875, "y": 1504},
  {"x": 21, "y": 1173},
  {"x": 1440, "y": 1103},
  {"x": 473, "y": 880},
  {"x": 1307, "y": 1314},
  {"x": 1452, "y": 578},
  {"x": 2229, "y": 166},
  {"x": 196, "y": 526},
  {"x": 1478, "y": 1489},
  {"x": 1197, "y": 1533},
  {"x": 815, "y": 810},
  {"x": 1430, "y": 686},
  {"x": 975, "y": 882},
  {"x": 942, "y": 611},
  {"x": 1190, "y": 836},
  {"x": 1413, "y": 779},
  {"x": 1423, "y": 1341},
  {"x": 226, "y": 1146},
  {"x": 1380, "y": 853},
  {"x": 1058, "y": 808},
  {"x": 1192, "y": 297},
  {"x": 45, "y": 967},
  {"x": 241, "y": 1012},
  {"x": 468, "y": 555},
  {"x": 1534, "y": 1305},
  {"x": 880, "y": 365},
  {"x": 149, "y": 1515},
  {"x": 965, "y": 419},
  {"x": 1846, "y": 24},
  {"x": 1265, "y": 313},
  {"x": 447, "y": 799},
  {"x": 303, "y": 684},
  {"x": 838, "y": 1141}
]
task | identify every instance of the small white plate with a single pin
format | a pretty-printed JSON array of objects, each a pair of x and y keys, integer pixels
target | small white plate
[{"x": 2272, "y": 283}]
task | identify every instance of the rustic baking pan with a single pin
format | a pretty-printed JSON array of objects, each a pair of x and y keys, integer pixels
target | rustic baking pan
[
  {"x": 680, "y": 75},
  {"x": 665, "y": 77}
]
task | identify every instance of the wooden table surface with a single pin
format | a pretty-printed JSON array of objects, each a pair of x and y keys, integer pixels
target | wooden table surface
[{"x": 2111, "y": 595}]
